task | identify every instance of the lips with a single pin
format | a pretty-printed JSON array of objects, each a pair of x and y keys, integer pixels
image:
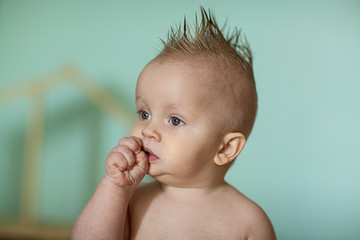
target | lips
[{"x": 151, "y": 155}]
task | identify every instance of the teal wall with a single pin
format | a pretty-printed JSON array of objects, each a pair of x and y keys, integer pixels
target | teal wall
[{"x": 302, "y": 161}]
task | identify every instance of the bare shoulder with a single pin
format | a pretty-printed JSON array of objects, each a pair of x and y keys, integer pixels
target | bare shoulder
[{"x": 251, "y": 216}]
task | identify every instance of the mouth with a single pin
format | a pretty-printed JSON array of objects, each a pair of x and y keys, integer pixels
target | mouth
[{"x": 151, "y": 155}]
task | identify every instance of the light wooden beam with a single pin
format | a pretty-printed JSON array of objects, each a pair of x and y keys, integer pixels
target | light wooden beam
[{"x": 32, "y": 160}]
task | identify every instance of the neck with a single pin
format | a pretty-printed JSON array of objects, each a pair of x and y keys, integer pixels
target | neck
[{"x": 192, "y": 192}]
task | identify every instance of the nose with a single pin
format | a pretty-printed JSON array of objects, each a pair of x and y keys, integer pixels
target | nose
[{"x": 150, "y": 131}]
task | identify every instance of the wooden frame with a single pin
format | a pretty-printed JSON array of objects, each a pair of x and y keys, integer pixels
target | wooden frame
[{"x": 28, "y": 226}]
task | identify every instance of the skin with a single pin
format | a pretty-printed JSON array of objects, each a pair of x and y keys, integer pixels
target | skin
[{"x": 180, "y": 140}]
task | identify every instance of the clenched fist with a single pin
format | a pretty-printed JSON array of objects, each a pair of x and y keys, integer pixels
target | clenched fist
[{"x": 127, "y": 164}]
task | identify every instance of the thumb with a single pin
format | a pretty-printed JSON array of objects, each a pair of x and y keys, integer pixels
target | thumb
[{"x": 142, "y": 161}]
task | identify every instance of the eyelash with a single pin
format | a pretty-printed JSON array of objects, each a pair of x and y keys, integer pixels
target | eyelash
[
  {"x": 141, "y": 112},
  {"x": 180, "y": 124}
]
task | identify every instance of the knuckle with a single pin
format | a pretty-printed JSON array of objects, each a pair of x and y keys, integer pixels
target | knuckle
[
  {"x": 129, "y": 142},
  {"x": 133, "y": 144},
  {"x": 126, "y": 153},
  {"x": 122, "y": 148},
  {"x": 122, "y": 140},
  {"x": 110, "y": 156},
  {"x": 114, "y": 159}
]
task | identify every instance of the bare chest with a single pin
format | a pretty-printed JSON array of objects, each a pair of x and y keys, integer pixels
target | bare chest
[{"x": 184, "y": 221}]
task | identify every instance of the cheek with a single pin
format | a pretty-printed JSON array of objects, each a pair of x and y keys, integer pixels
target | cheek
[
  {"x": 184, "y": 145},
  {"x": 172, "y": 144},
  {"x": 207, "y": 144}
]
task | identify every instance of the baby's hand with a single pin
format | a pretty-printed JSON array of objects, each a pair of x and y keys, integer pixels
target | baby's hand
[{"x": 126, "y": 164}]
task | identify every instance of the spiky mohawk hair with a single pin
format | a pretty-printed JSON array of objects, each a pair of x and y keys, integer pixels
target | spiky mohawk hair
[{"x": 207, "y": 39}]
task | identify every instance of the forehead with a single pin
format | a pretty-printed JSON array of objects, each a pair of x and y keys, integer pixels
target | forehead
[
  {"x": 177, "y": 70},
  {"x": 177, "y": 81}
]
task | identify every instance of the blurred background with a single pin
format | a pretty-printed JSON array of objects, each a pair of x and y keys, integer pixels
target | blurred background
[{"x": 68, "y": 71}]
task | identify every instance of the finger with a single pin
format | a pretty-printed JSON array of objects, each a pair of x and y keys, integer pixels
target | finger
[
  {"x": 116, "y": 160},
  {"x": 139, "y": 141},
  {"x": 135, "y": 144},
  {"x": 128, "y": 154}
]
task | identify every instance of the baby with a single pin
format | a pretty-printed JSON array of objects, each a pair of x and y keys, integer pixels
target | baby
[{"x": 196, "y": 104}]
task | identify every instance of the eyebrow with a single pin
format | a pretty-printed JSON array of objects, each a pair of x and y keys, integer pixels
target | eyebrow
[{"x": 172, "y": 106}]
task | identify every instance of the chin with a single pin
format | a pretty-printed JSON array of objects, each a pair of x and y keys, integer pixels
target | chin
[{"x": 153, "y": 173}]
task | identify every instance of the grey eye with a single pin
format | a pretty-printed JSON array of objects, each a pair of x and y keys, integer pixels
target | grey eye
[
  {"x": 144, "y": 115},
  {"x": 175, "y": 121}
]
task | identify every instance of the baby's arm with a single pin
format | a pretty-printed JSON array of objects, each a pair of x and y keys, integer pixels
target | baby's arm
[{"x": 105, "y": 215}]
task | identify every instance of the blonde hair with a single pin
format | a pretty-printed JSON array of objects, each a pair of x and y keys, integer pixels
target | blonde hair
[
  {"x": 208, "y": 38},
  {"x": 208, "y": 42}
]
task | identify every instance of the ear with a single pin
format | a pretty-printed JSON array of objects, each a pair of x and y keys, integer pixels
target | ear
[{"x": 230, "y": 148}]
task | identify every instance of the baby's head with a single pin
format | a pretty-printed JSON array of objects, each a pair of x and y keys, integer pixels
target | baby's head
[
  {"x": 228, "y": 59},
  {"x": 198, "y": 95}
]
